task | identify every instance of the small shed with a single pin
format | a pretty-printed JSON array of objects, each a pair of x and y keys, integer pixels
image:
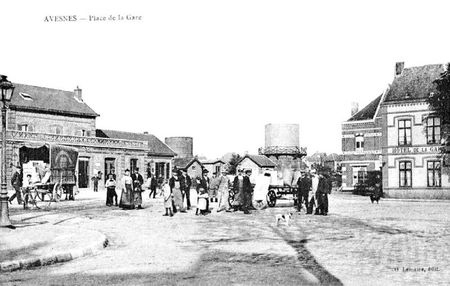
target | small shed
[
  {"x": 193, "y": 166},
  {"x": 213, "y": 166},
  {"x": 257, "y": 163}
]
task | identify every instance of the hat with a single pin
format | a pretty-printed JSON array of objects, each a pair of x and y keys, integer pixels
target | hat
[
  {"x": 248, "y": 171},
  {"x": 240, "y": 170},
  {"x": 127, "y": 170},
  {"x": 205, "y": 171},
  {"x": 174, "y": 170}
]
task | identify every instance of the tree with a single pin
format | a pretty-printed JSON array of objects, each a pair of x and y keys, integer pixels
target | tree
[
  {"x": 440, "y": 104},
  {"x": 232, "y": 164}
]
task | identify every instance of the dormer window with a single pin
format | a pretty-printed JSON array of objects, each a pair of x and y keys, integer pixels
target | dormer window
[{"x": 25, "y": 96}]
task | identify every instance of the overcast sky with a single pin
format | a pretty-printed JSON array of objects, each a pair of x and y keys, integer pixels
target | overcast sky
[{"x": 220, "y": 70}]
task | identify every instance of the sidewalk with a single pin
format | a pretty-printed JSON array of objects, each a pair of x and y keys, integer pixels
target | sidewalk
[{"x": 40, "y": 240}]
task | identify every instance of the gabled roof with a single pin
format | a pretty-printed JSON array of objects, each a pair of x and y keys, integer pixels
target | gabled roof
[
  {"x": 368, "y": 112},
  {"x": 45, "y": 99},
  {"x": 260, "y": 160},
  {"x": 206, "y": 162},
  {"x": 414, "y": 83},
  {"x": 156, "y": 147},
  {"x": 184, "y": 163}
]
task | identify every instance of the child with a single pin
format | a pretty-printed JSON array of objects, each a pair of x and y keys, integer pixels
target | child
[
  {"x": 202, "y": 202},
  {"x": 111, "y": 190},
  {"x": 167, "y": 193}
]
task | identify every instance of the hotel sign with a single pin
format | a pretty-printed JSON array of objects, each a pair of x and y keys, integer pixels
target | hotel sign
[{"x": 412, "y": 150}]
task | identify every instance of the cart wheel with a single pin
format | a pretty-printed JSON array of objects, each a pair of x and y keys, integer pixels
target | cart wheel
[
  {"x": 271, "y": 198},
  {"x": 41, "y": 196},
  {"x": 57, "y": 192}
]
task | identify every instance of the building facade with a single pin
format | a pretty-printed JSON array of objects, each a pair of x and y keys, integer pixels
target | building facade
[
  {"x": 398, "y": 134},
  {"x": 213, "y": 166},
  {"x": 40, "y": 116}
]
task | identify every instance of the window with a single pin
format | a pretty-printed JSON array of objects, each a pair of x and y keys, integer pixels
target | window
[
  {"x": 55, "y": 129},
  {"x": 404, "y": 132},
  {"x": 362, "y": 177},
  {"x": 133, "y": 165},
  {"x": 22, "y": 127},
  {"x": 434, "y": 173},
  {"x": 359, "y": 142},
  {"x": 433, "y": 130},
  {"x": 405, "y": 174}
]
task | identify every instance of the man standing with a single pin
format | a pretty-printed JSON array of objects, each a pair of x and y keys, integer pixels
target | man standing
[
  {"x": 323, "y": 189},
  {"x": 204, "y": 184},
  {"x": 95, "y": 179},
  {"x": 152, "y": 186},
  {"x": 247, "y": 189},
  {"x": 312, "y": 193},
  {"x": 187, "y": 188},
  {"x": 238, "y": 184},
  {"x": 304, "y": 186},
  {"x": 176, "y": 184},
  {"x": 16, "y": 182},
  {"x": 138, "y": 181}
]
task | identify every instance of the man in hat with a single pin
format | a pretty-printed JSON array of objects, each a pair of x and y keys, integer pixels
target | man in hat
[
  {"x": 312, "y": 193},
  {"x": 223, "y": 187},
  {"x": 177, "y": 187},
  {"x": 16, "y": 182},
  {"x": 187, "y": 187},
  {"x": 304, "y": 186},
  {"x": 247, "y": 189},
  {"x": 323, "y": 189},
  {"x": 138, "y": 181},
  {"x": 238, "y": 185}
]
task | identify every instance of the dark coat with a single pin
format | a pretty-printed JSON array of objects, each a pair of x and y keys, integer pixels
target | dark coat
[
  {"x": 324, "y": 186},
  {"x": 153, "y": 184},
  {"x": 236, "y": 184},
  {"x": 138, "y": 180},
  {"x": 204, "y": 183},
  {"x": 172, "y": 183},
  {"x": 187, "y": 181},
  {"x": 304, "y": 185},
  {"x": 17, "y": 179},
  {"x": 247, "y": 185}
]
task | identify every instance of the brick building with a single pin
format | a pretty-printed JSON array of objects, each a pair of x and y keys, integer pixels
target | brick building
[
  {"x": 39, "y": 116},
  {"x": 396, "y": 133}
]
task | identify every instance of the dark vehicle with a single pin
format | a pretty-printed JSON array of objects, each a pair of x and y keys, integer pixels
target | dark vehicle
[
  {"x": 371, "y": 186},
  {"x": 59, "y": 176}
]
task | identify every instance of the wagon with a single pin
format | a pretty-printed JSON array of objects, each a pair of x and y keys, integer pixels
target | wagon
[{"x": 52, "y": 168}]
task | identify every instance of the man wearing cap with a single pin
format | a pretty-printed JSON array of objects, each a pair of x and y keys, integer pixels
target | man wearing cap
[
  {"x": 187, "y": 187},
  {"x": 304, "y": 186},
  {"x": 16, "y": 182},
  {"x": 204, "y": 184},
  {"x": 224, "y": 183}
]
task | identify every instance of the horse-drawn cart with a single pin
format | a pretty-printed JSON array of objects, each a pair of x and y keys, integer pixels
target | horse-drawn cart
[{"x": 52, "y": 169}]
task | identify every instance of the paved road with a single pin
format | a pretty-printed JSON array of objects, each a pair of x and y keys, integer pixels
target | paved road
[{"x": 393, "y": 243}]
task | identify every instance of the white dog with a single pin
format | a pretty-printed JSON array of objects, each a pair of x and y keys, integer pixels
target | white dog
[{"x": 285, "y": 218}]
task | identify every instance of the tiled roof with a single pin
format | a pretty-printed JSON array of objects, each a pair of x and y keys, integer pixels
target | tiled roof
[
  {"x": 414, "y": 83},
  {"x": 49, "y": 100},
  {"x": 260, "y": 160},
  {"x": 156, "y": 146},
  {"x": 212, "y": 161},
  {"x": 183, "y": 163},
  {"x": 368, "y": 112}
]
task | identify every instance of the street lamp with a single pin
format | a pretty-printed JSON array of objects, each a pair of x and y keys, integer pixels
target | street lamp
[{"x": 7, "y": 89}]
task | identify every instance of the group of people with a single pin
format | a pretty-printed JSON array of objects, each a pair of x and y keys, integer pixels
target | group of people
[
  {"x": 313, "y": 190},
  {"x": 131, "y": 186}
]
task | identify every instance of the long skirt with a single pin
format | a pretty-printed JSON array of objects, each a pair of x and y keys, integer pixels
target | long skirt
[
  {"x": 223, "y": 199},
  {"x": 238, "y": 198},
  {"x": 177, "y": 198},
  {"x": 168, "y": 202},
  {"x": 127, "y": 199}
]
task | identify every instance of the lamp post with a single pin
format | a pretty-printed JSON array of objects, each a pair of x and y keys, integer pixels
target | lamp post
[{"x": 6, "y": 89}]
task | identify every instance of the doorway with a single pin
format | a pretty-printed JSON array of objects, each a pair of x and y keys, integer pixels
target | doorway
[
  {"x": 83, "y": 173},
  {"x": 110, "y": 167}
]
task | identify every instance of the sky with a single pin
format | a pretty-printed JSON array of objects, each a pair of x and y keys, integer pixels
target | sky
[{"x": 219, "y": 71}]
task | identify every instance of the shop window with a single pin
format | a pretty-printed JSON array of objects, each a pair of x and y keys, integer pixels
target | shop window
[
  {"x": 405, "y": 173},
  {"x": 433, "y": 130},
  {"x": 359, "y": 143},
  {"x": 434, "y": 173}
]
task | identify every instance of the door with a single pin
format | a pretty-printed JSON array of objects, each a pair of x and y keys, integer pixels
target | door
[
  {"x": 109, "y": 167},
  {"x": 83, "y": 173}
]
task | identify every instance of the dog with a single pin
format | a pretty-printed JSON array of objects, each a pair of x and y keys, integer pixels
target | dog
[
  {"x": 285, "y": 218},
  {"x": 375, "y": 198}
]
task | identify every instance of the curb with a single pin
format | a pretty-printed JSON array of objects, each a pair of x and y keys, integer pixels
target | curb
[{"x": 54, "y": 258}]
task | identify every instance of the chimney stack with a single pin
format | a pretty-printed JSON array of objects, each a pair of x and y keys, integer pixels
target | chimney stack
[
  {"x": 78, "y": 95},
  {"x": 146, "y": 132},
  {"x": 355, "y": 108},
  {"x": 399, "y": 66}
]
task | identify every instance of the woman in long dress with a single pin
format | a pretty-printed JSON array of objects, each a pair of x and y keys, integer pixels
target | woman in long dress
[
  {"x": 175, "y": 185},
  {"x": 127, "y": 199}
]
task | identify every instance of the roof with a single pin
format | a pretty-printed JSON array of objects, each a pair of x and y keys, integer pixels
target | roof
[
  {"x": 184, "y": 163},
  {"x": 260, "y": 160},
  {"x": 206, "y": 162},
  {"x": 368, "y": 112},
  {"x": 49, "y": 100},
  {"x": 414, "y": 83},
  {"x": 155, "y": 146}
]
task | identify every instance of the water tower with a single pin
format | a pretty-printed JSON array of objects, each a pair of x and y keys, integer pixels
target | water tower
[
  {"x": 183, "y": 146},
  {"x": 282, "y": 145}
]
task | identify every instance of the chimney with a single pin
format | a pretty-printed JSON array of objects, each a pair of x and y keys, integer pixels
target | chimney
[
  {"x": 146, "y": 132},
  {"x": 355, "y": 108},
  {"x": 77, "y": 95},
  {"x": 399, "y": 66}
]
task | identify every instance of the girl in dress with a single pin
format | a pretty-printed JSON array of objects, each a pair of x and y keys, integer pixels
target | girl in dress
[
  {"x": 127, "y": 199},
  {"x": 167, "y": 193}
]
